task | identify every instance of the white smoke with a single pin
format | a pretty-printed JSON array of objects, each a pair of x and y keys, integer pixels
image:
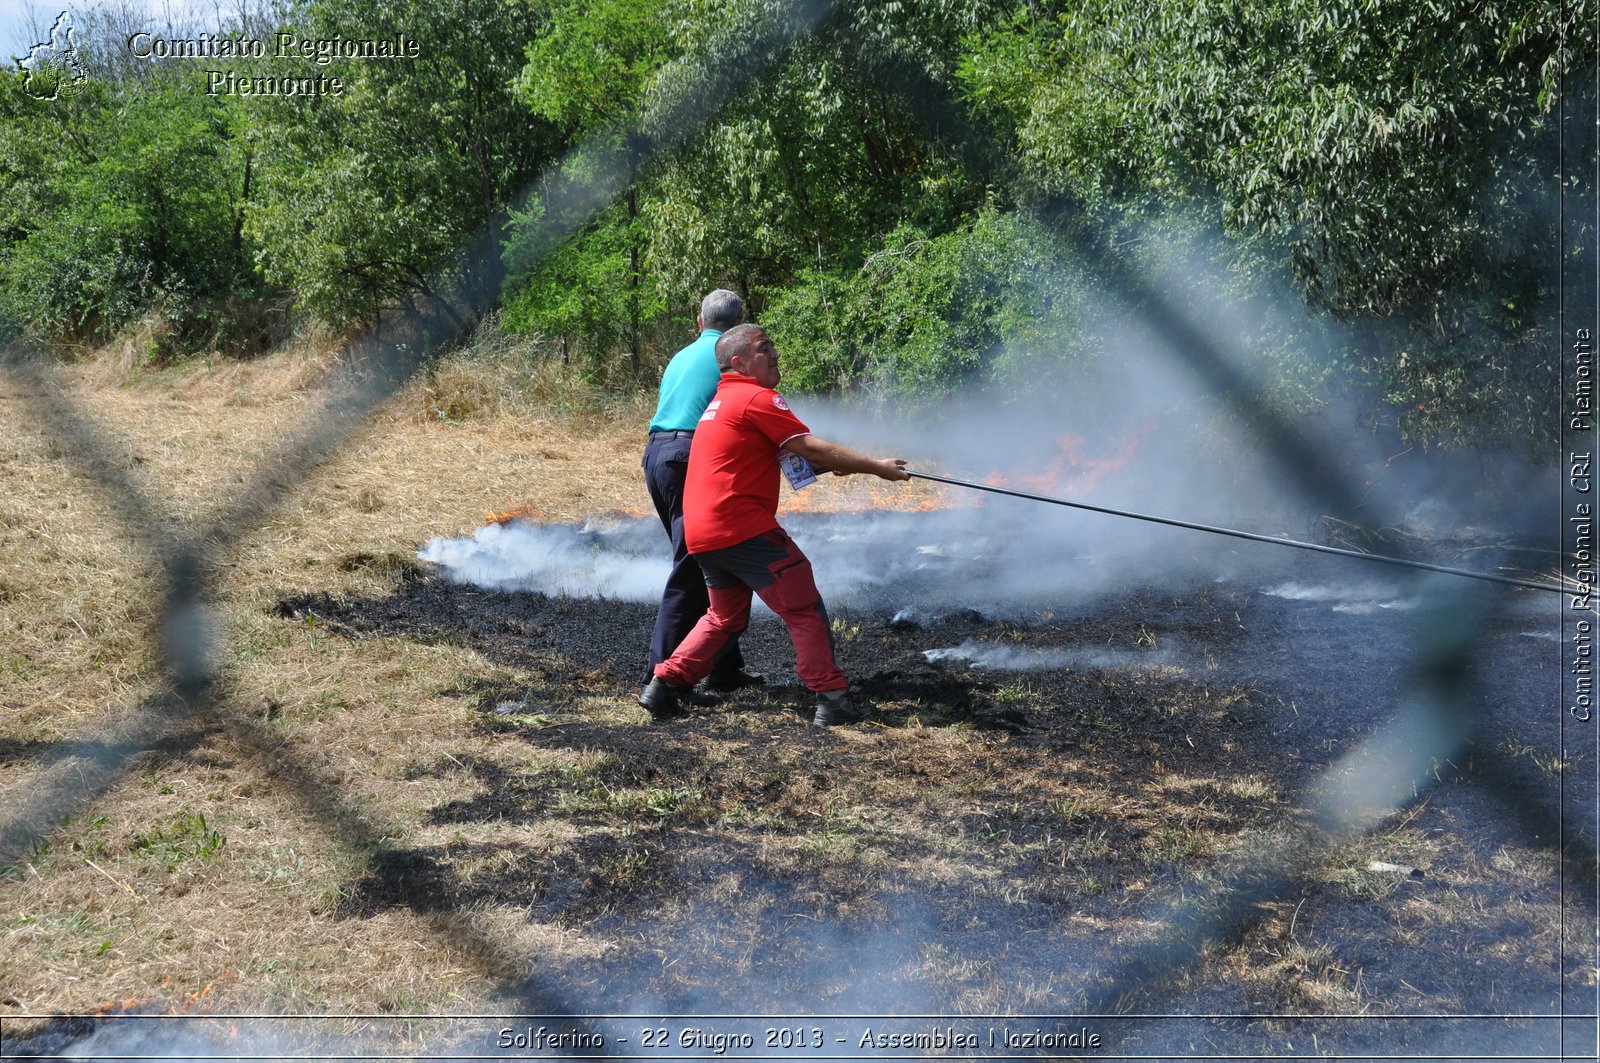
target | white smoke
[
  {"x": 1134, "y": 429},
  {"x": 1008, "y": 658},
  {"x": 986, "y": 558},
  {"x": 1360, "y": 598},
  {"x": 627, "y": 560}
]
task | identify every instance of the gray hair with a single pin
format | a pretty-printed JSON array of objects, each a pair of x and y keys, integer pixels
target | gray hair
[
  {"x": 721, "y": 310},
  {"x": 737, "y": 341}
]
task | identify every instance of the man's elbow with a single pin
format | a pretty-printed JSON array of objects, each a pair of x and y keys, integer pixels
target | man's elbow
[{"x": 805, "y": 446}]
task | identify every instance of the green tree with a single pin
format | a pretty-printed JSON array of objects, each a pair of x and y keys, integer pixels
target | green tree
[
  {"x": 587, "y": 73},
  {"x": 366, "y": 197},
  {"x": 116, "y": 201},
  {"x": 1391, "y": 153},
  {"x": 925, "y": 313},
  {"x": 808, "y": 166}
]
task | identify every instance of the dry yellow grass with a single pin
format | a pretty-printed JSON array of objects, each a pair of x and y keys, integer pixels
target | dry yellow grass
[{"x": 81, "y": 603}]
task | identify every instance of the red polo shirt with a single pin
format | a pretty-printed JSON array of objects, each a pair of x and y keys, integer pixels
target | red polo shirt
[{"x": 731, "y": 493}]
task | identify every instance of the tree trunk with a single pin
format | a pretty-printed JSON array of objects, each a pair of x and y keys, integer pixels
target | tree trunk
[
  {"x": 633, "y": 283},
  {"x": 238, "y": 215}
]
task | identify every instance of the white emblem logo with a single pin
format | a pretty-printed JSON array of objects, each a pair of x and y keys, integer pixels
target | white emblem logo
[{"x": 52, "y": 66}]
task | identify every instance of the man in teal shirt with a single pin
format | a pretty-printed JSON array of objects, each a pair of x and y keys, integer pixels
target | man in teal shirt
[{"x": 688, "y": 383}]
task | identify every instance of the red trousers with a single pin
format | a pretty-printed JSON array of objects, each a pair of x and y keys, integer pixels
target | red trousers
[{"x": 772, "y": 566}]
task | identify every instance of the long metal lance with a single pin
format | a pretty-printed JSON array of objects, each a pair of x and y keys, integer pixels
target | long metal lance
[{"x": 1253, "y": 537}]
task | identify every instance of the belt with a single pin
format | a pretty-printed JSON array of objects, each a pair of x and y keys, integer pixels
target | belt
[{"x": 675, "y": 434}]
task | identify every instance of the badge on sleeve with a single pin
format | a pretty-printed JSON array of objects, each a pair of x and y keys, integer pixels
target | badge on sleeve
[
  {"x": 797, "y": 469},
  {"x": 777, "y": 400}
]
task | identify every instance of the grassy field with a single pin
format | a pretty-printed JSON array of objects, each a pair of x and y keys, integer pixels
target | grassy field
[
  {"x": 205, "y": 831},
  {"x": 354, "y": 828}
]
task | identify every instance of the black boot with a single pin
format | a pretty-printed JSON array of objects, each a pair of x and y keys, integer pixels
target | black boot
[
  {"x": 728, "y": 682},
  {"x": 664, "y": 700},
  {"x": 835, "y": 707}
]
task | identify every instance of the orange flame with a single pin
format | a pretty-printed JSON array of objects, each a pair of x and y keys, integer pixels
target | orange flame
[
  {"x": 113, "y": 1008},
  {"x": 1070, "y": 470},
  {"x": 861, "y": 492},
  {"x": 196, "y": 998},
  {"x": 533, "y": 513},
  {"x": 528, "y": 512}
]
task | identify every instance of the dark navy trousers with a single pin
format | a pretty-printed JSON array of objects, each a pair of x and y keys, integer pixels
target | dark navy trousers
[{"x": 684, "y": 600}]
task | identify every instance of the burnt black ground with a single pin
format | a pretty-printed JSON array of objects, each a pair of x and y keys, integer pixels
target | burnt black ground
[{"x": 1267, "y": 684}]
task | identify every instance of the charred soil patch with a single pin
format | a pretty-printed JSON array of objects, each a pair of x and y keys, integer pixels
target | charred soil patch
[
  {"x": 993, "y": 831},
  {"x": 1006, "y": 804}
]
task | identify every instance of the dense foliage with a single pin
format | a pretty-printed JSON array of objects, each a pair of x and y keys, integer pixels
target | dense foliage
[
  {"x": 910, "y": 193},
  {"x": 117, "y": 204},
  {"x": 364, "y": 195},
  {"x": 1398, "y": 157}
]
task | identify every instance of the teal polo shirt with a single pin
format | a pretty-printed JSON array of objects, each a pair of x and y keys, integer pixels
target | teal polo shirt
[{"x": 687, "y": 385}]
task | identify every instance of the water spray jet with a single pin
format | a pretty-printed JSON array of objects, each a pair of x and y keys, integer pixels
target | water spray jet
[{"x": 1252, "y": 536}]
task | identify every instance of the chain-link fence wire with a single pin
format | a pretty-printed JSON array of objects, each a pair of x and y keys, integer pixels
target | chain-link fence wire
[{"x": 1381, "y": 776}]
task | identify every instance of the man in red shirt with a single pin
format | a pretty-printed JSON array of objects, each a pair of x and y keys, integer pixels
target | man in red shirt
[{"x": 731, "y": 527}]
